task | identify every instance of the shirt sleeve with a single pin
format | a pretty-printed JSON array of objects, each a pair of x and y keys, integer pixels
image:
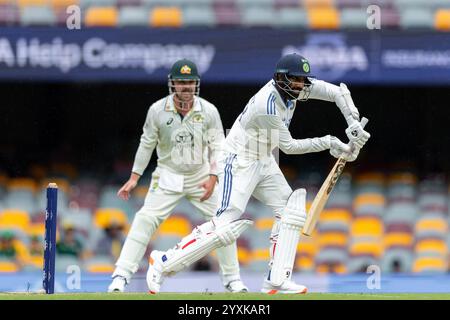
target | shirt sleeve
[
  {"x": 286, "y": 143},
  {"x": 149, "y": 138},
  {"x": 326, "y": 91},
  {"x": 215, "y": 137},
  {"x": 323, "y": 90}
]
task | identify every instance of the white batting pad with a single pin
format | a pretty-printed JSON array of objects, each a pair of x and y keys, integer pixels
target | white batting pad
[
  {"x": 291, "y": 223},
  {"x": 201, "y": 244}
]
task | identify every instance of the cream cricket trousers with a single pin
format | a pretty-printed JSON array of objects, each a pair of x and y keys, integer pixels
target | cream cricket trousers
[
  {"x": 239, "y": 179},
  {"x": 159, "y": 204}
]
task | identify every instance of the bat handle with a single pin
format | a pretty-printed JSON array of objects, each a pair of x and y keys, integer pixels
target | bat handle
[{"x": 364, "y": 121}]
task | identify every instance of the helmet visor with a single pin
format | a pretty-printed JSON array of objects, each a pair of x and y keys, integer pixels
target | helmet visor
[
  {"x": 184, "y": 91},
  {"x": 296, "y": 87}
]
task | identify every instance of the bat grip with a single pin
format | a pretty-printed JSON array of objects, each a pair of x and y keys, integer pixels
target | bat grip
[{"x": 364, "y": 121}]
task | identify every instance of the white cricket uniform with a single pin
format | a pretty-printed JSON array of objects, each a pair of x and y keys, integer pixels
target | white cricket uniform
[
  {"x": 186, "y": 149},
  {"x": 246, "y": 164}
]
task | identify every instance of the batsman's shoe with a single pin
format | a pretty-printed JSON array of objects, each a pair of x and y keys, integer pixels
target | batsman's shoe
[
  {"x": 287, "y": 287},
  {"x": 236, "y": 286},
  {"x": 118, "y": 284},
  {"x": 154, "y": 274}
]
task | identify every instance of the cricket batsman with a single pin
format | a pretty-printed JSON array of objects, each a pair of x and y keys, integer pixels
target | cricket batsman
[
  {"x": 247, "y": 167},
  {"x": 187, "y": 132}
]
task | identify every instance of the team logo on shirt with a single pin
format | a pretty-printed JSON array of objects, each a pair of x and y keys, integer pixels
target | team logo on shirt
[
  {"x": 169, "y": 122},
  {"x": 184, "y": 137},
  {"x": 198, "y": 118},
  {"x": 185, "y": 69}
]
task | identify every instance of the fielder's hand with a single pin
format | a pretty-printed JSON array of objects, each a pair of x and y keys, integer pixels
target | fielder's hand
[
  {"x": 124, "y": 192},
  {"x": 209, "y": 186}
]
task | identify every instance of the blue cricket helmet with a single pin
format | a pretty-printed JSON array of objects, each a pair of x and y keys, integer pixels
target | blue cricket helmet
[{"x": 293, "y": 65}]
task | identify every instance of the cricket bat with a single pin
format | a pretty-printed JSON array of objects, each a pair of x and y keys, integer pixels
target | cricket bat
[{"x": 322, "y": 196}]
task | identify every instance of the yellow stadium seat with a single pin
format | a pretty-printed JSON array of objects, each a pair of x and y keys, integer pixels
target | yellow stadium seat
[
  {"x": 244, "y": 255},
  {"x": 367, "y": 226},
  {"x": 36, "y": 261},
  {"x": 264, "y": 223},
  {"x": 402, "y": 177},
  {"x": 8, "y": 266},
  {"x": 260, "y": 254},
  {"x": 175, "y": 225},
  {"x": 101, "y": 17},
  {"x": 304, "y": 263},
  {"x": 437, "y": 225},
  {"x": 317, "y": 3},
  {"x": 308, "y": 205},
  {"x": 106, "y": 216},
  {"x": 15, "y": 219},
  {"x": 22, "y": 183},
  {"x": 340, "y": 269},
  {"x": 333, "y": 239},
  {"x": 331, "y": 268},
  {"x": 307, "y": 246},
  {"x": 370, "y": 177},
  {"x": 322, "y": 268},
  {"x": 442, "y": 19},
  {"x": 36, "y": 229},
  {"x": 429, "y": 264},
  {"x": 27, "y": 3},
  {"x": 323, "y": 18},
  {"x": 166, "y": 17},
  {"x": 22, "y": 250},
  {"x": 373, "y": 248},
  {"x": 402, "y": 239},
  {"x": 369, "y": 199},
  {"x": 100, "y": 268},
  {"x": 64, "y": 3},
  {"x": 336, "y": 215},
  {"x": 432, "y": 245}
]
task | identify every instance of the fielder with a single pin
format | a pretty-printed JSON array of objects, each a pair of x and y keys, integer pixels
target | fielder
[
  {"x": 187, "y": 132},
  {"x": 247, "y": 167}
]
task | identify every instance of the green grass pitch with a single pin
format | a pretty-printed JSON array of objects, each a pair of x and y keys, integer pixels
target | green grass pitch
[{"x": 224, "y": 296}]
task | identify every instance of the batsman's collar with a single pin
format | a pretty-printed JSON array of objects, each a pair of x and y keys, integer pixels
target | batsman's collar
[
  {"x": 288, "y": 104},
  {"x": 170, "y": 106}
]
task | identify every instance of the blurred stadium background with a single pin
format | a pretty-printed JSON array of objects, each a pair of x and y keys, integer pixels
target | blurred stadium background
[{"x": 73, "y": 104}]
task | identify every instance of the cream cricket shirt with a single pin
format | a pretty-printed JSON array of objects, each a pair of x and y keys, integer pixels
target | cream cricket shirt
[{"x": 184, "y": 145}]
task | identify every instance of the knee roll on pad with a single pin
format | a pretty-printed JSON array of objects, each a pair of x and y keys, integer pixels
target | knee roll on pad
[
  {"x": 295, "y": 211},
  {"x": 227, "y": 235},
  {"x": 201, "y": 244}
]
